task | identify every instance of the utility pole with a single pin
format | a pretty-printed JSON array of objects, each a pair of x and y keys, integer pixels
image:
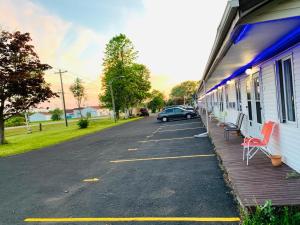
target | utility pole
[{"x": 63, "y": 94}]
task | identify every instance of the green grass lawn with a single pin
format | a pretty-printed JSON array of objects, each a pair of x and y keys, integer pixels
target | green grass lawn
[{"x": 19, "y": 141}]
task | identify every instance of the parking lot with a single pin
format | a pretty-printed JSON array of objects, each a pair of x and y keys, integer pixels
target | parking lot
[{"x": 143, "y": 172}]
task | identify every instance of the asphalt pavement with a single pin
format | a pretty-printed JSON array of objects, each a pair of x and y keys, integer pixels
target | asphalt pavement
[{"x": 152, "y": 172}]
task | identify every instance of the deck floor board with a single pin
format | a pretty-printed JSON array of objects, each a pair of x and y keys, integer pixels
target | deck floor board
[{"x": 257, "y": 182}]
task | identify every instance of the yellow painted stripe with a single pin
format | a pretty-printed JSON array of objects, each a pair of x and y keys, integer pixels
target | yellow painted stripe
[
  {"x": 137, "y": 219},
  {"x": 167, "y": 139},
  {"x": 91, "y": 180},
  {"x": 161, "y": 158}
]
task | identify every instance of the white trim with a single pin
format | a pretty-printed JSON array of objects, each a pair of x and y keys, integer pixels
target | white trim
[{"x": 282, "y": 59}]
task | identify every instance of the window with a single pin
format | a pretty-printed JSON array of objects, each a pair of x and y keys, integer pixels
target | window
[
  {"x": 257, "y": 99},
  {"x": 249, "y": 101},
  {"x": 286, "y": 90},
  {"x": 221, "y": 106},
  {"x": 226, "y": 97},
  {"x": 217, "y": 97},
  {"x": 169, "y": 111},
  {"x": 177, "y": 110},
  {"x": 238, "y": 95}
]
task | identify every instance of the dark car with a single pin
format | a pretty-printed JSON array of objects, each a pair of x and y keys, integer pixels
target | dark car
[
  {"x": 175, "y": 113},
  {"x": 144, "y": 112},
  {"x": 172, "y": 106}
]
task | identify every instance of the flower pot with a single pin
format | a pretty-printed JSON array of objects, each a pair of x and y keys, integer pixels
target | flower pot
[{"x": 276, "y": 160}]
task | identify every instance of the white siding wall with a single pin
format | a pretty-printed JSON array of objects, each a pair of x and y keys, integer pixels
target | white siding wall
[
  {"x": 270, "y": 111},
  {"x": 244, "y": 128},
  {"x": 286, "y": 137},
  {"x": 231, "y": 112}
]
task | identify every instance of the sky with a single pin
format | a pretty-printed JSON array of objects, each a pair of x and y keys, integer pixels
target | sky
[{"x": 173, "y": 37}]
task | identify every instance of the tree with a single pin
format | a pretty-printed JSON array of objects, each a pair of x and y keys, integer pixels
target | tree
[
  {"x": 78, "y": 92},
  {"x": 157, "y": 101},
  {"x": 56, "y": 114},
  {"x": 138, "y": 85},
  {"x": 184, "y": 91},
  {"x": 22, "y": 83},
  {"x": 128, "y": 79}
]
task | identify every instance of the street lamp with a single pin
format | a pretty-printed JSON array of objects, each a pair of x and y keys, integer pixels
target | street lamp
[{"x": 112, "y": 97}]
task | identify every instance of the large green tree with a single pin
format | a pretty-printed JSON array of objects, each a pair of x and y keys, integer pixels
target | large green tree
[
  {"x": 128, "y": 79},
  {"x": 157, "y": 101},
  {"x": 183, "y": 92},
  {"x": 22, "y": 83}
]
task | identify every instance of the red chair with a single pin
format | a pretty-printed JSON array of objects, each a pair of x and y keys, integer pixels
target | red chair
[{"x": 253, "y": 145}]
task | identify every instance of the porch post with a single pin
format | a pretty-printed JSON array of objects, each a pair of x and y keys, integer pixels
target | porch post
[{"x": 206, "y": 108}]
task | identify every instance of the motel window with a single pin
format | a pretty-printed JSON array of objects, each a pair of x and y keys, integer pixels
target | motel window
[
  {"x": 249, "y": 100},
  {"x": 226, "y": 97},
  {"x": 217, "y": 94},
  {"x": 221, "y": 100},
  {"x": 286, "y": 90},
  {"x": 238, "y": 95},
  {"x": 257, "y": 99}
]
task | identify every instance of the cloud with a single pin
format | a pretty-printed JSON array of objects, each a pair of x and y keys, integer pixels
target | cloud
[
  {"x": 59, "y": 43},
  {"x": 174, "y": 37}
]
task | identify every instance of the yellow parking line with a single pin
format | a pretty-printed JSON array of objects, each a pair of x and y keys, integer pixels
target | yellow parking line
[
  {"x": 166, "y": 139},
  {"x": 161, "y": 158},
  {"x": 91, "y": 180},
  {"x": 137, "y": 219}
]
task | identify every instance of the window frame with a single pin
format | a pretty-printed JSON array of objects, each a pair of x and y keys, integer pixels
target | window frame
[
  {"x": 239, "y": 106},
  {"x": 226, "y": 96},
  {"x": 280, "y": 62}
]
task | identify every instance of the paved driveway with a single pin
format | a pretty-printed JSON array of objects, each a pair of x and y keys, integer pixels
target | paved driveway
[{"x": 140, "y": 169}]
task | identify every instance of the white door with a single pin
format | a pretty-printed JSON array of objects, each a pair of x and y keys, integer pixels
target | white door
[{"x": 254, "y": 105}]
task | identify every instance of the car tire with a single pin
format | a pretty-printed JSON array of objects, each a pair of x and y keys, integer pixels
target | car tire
[
  {"x": 164, "y": 119},
  {"x": 188, "y": 116}
]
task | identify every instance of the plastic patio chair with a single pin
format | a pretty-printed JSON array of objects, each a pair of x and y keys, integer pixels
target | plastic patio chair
[
  {"x": 237, "y": 121},
  {"x": 252, "y": 145},
  {"x": 229, "y": 127}
]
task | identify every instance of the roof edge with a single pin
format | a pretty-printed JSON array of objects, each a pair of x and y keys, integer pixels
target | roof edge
[{"x": 225, "y": 24}]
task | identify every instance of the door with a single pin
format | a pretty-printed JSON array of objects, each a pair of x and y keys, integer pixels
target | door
[
  {"x": 178, "y": 113},
  {"x": 169, "y": 113},
  {"x": 253, "y": 89}
]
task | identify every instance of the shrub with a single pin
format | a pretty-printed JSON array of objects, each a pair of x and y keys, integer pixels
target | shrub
[
  {"x": 83, "y": 123},
  {"x": 269, "y": 215},
  {"x": 15, "y": 121},
  {"x": 56, "y": 114}
]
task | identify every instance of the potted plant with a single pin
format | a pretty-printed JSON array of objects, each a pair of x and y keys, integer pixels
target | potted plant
[{"x": 276, "y": 160}]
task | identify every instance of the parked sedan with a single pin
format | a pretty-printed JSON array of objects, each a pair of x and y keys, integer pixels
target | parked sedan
[{"x": 175, "y": 113}]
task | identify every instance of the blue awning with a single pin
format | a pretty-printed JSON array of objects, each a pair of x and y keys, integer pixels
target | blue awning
[{"x": 253, "y": 44}]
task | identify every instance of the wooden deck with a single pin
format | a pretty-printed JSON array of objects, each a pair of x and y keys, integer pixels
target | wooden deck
[{"x": 258, "y": 182}]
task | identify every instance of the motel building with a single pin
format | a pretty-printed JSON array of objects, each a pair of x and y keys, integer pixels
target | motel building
[{"x": 254, "y": 69}]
